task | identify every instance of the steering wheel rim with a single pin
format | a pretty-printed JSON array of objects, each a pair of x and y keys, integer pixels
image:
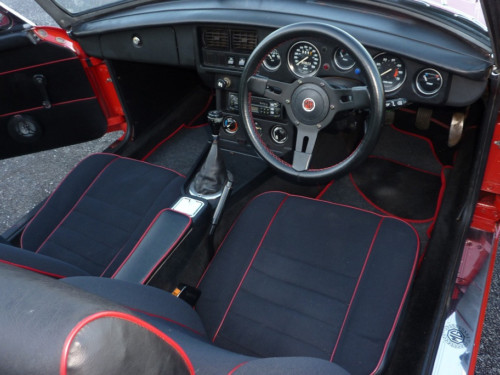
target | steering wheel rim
[{"x": 305, "y": 126}]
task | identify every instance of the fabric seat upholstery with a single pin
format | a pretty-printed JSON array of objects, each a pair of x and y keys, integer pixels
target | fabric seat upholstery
[
  {"x": 301, "y": 277},
  {"x": 96, "y": 216},
  {"x": 300, "y": 282}
]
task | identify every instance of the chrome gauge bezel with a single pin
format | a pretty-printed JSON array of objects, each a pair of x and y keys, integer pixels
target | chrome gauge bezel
[
  {"x": 339, "y": 64},
  {"x": 267, "y": 66},
  {"x": 400, "y": 83},
  {"x": 292, "y": 65},
  {"x": 420, "y": 89}
]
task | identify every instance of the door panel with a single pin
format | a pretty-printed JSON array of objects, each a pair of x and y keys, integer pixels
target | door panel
[{"x": 50, "y": 92}]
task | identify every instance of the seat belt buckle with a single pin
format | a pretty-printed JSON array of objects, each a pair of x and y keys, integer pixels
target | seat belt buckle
[{"x": 188, "y": 293}]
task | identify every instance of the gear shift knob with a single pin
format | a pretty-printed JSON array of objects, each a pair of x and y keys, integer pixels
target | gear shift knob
[{"x": 215, "y": 121}]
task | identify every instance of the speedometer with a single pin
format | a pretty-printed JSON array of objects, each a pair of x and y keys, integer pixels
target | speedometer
[
  {"x": 392, "y": 71},
  {"x": 304, "y": 59}
]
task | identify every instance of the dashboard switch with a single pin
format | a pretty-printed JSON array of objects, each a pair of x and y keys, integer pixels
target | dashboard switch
[
  {"x": 230, "y": 125},
  {"x": 279, "y": 134}
]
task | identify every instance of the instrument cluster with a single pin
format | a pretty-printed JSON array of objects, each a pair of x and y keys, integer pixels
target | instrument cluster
[{"x": 306, "y": 58}]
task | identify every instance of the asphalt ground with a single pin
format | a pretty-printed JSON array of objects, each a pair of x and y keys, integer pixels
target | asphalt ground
[{"x": 26, "y": 180}]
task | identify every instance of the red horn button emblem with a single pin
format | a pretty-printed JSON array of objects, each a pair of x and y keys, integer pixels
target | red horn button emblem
[{"x": 308, "y": 105}]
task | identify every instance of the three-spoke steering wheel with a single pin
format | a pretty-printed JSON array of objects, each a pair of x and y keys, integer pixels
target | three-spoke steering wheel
[{"x": 311, "y": 103}]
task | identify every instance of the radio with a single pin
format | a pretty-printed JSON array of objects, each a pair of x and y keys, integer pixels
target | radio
[{"x": 260, "y": 106}]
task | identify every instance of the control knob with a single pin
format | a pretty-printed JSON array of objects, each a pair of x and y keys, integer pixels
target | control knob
[
  {"x": 279, "y": 134},
  {"x": 230, "y": 125}
]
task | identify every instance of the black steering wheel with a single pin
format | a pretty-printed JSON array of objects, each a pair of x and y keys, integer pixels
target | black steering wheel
[{"x": 311, "y": 103}]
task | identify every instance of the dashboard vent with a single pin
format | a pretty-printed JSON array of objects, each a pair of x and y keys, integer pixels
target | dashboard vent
[
  {"x": 242, "y": 40},
  {"x": 216, "y": 39}
]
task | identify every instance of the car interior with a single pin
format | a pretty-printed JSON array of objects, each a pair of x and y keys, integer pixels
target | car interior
[{"x": 291, "y": 194}]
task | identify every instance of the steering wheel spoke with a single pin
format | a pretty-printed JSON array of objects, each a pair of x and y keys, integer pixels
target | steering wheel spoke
[
  {"x": 268, "y": 88},
  {"x": 346, "y": 99},
  {"x": 304, "y": 146},
  {"x": 310, "y": 103}
]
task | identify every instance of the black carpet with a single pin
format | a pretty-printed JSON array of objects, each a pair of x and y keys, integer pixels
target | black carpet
[
  {"x": 402, "y": 178},
  {"x": 407, "y": 193},
  {"x": 182, "y": 151}
]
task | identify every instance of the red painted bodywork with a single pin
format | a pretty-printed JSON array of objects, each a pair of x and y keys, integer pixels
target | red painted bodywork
[
  {"x": 97, "y": 73},
  {"x": 486, "y": 218}
]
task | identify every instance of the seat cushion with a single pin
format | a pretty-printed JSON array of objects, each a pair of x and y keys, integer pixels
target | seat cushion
[
  {"x": 179, "y": 321},
  {"x": 100, "y": 211},
  {"x": 302, "y": 277}
]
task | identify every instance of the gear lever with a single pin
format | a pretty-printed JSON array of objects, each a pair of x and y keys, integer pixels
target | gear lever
[{"x": 212, "y": 176}]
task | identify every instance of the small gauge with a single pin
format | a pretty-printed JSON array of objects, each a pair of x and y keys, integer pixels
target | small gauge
[
  {"x": 272, "y": 62},
  {"x": 5, "y": 21},
  {"x": 304, "y": 59},
  {"x": 392, "y": 71},
  {"x": 429, "y": 81},
  {"x": 342, "y": 59}
]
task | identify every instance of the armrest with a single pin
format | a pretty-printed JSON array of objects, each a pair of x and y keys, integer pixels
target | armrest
[{"x": 162, "y": 236}]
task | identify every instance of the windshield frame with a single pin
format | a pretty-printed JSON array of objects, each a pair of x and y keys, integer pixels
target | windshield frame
[{"x": 456, "y": 24}]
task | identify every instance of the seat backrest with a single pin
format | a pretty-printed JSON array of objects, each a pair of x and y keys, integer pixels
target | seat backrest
[
  {"x": 99, "y": 212},
  {"x": 49, "y": 327}
]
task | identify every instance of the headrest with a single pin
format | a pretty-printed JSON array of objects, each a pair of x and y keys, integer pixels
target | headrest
[{"x": 50, "y": 327}]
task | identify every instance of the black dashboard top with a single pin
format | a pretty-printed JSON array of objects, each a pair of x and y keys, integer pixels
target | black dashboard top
[{"x": 419, "y": 43}]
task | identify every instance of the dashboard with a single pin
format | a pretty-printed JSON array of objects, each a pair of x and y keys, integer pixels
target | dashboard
[{"x": 418, "y": 60}]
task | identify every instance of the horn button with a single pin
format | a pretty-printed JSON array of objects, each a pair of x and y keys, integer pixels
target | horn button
[{"x": 310, "y": 104}]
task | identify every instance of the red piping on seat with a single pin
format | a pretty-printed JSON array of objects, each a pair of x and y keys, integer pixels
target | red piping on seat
[
  {"x": 33, "y": 269},
  {"x": 123, "y": 316},
  {"x": 415, "y": 261},
  {"x": 116, "y": 157},
  {"x": 227, "y": 234},
  {"x": 76, "y": 204},
  {"x": 356, "y": 288},
  {"x": 249, "y": 266},
  {"x": 236, "y": 368},
  {"x": 302, "y": 197}
]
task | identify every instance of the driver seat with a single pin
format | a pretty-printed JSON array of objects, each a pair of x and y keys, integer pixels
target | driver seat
[{"x": 297, "y": 286}]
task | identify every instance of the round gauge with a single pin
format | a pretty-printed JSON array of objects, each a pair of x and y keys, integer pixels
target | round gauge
[
  {"x": 5, "y": 21},
  {"x": 392, "y": 71},
  {"x": 304, "y": 59},
  {"x": 272, "y": 61},
  {"x": 429, "y": 81},
  {"x": 343, "y": 59}
]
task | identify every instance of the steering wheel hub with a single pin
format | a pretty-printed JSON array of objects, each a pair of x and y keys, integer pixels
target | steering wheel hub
[{"x": 310, "y": 104}]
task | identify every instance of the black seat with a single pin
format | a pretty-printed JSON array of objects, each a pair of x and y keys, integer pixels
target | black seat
[
  {"x": 96, "y": 216},
  {"x": 297, "y": 285}
]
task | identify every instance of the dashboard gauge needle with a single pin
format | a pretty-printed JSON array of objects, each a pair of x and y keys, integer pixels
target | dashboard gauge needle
[
  {"x": 304, "y": 59},
  {"x": 384, "y": 73}
]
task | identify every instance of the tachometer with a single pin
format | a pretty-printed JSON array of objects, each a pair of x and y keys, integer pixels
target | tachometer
[
  {"x": 392, "y": 71},
  {"x": 304, "y": 59},
  {"x": 272, "y": 62}
]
